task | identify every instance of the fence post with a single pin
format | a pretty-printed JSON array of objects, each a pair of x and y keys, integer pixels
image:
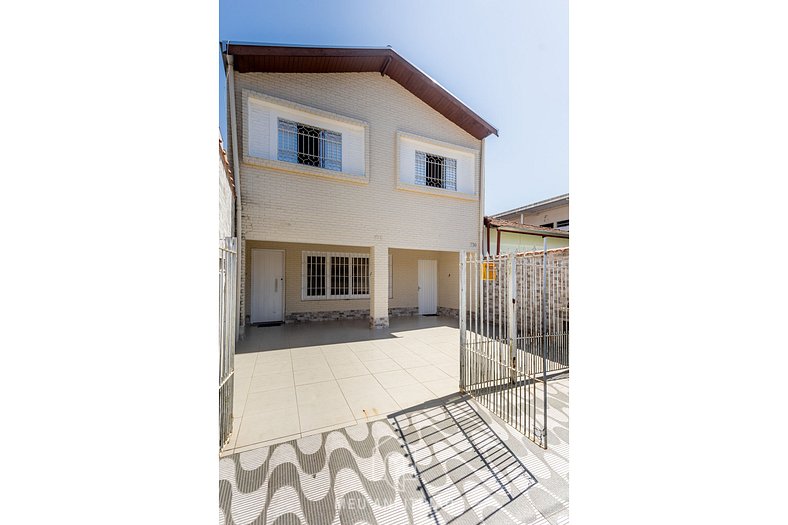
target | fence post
[
  {"x": 511, "y": 295},
  {"x": 544, "y": 340},
  {"x": 462, "y": 316}
]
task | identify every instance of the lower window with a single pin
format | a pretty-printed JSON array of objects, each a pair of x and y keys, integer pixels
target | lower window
[{"x": 335, "y": 275}]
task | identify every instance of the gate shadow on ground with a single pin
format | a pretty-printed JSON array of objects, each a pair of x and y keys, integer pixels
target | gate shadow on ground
[{"x": 466, "y": 472}]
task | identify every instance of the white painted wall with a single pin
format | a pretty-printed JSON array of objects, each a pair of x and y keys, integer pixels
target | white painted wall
[
  {"x": 466, "y": 160},
  {"x": 264, "y": 113}
]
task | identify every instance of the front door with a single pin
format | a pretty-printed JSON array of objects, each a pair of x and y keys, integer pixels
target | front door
[
  {"x": 268, "y": 283},
  {"x": 428, "y": 287}
]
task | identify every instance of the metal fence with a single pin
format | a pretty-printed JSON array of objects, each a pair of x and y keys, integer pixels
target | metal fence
[
  {"x": 228, "y": 323},
  {"x": 514, "y": 333}
]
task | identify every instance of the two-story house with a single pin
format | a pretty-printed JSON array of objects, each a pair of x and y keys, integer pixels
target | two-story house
[{"x": 359, "y": 181}]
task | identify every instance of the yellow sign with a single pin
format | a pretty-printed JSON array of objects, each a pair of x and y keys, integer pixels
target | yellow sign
[{"x": 488, "y": 271}]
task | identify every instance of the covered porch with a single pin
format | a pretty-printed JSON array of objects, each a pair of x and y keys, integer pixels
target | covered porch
[
  {"x": 286, "y": 282},
  {"x": 299, "y": 379}
]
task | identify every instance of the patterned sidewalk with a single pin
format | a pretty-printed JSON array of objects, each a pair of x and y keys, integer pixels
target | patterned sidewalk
[{"x": 468, "y": 469}]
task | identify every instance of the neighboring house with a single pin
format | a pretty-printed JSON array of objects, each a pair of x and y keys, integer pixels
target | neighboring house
[
  {"x": 360, "y": 182},
  {"x": 549, "y": 213},
  {"x": 226, "y": 196},
  {"x": 502, "y": 236}
]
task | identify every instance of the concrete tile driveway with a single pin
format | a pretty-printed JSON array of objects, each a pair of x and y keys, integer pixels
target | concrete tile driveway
[{"x": 297, "y": 380}]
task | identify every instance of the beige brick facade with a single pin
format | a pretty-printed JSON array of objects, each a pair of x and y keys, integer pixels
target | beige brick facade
[{"x": 370, "y": 215}]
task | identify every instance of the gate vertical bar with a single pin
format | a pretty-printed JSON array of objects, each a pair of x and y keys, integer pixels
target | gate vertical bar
[
  {"x": 510, "y": 310},
  {"x": 544, "y": 335},
  {"x": 463, "y": 320}
]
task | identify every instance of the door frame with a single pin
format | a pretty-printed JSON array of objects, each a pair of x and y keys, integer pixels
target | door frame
[
  {"x": 419, "y": 293},
  {"x": 251, "y": 282}
]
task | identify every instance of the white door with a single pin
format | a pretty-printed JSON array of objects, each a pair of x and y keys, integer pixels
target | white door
[
  {"x": 428, "y": 286},
  {"x": 268, "y": 283}
]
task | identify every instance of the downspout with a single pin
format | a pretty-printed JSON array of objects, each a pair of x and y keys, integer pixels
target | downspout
[
  {"x": 481, "y": 204},
  {"x": 237, "y": 171},
  {"x": 498, "y": 242}
]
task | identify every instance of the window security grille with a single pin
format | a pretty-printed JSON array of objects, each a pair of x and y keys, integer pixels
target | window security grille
[
  {"x": 315, "y": 275},
  {"x": 563, "y": 224},
  {"x": 436, "y": 171},
  {"x": 548, "y": 225},
  {"x": 308, "y": 145},
  {"x": 335, "y": 276}
]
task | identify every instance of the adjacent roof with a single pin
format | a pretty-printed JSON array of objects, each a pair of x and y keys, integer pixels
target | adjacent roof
[
  {"x": 525, "y": 228},
  {"x": 552, "y": 202},
  {"x": 280, "y": 58}
]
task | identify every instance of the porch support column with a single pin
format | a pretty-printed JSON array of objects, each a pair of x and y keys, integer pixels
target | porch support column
[{"x": 378, "y": 286}]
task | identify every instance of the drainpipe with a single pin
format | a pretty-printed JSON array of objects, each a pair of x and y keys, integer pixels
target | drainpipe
[
  {"x": 481, "y": 203},
  {"x": 237, "y": 171}
]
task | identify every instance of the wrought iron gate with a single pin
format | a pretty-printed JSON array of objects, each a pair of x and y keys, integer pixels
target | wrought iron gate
[
  {"x": 515, "y": 332},
  {"x": 228, "y": 323}
]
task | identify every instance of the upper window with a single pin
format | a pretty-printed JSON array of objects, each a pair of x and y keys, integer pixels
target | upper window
[
  {"x": 563, "y": 224},
  {"x": 302, "y": 144},
  {"x": 436, "y": 171},
  {"x": 547, "y": 225}
]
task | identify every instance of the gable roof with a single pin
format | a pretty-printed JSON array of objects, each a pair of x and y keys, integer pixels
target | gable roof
[
  {"x": 281, "y": 58},
  {"x": 552, "y": 202}
]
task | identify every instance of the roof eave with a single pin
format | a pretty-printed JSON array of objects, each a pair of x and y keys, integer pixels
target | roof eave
[{"x": 477, "y": 127}]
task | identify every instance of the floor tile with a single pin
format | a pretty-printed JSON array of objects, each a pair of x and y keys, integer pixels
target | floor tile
[
  {"x": 261, "y": 383},
  {"x": 352, "y": 370},
  {"x": 427, "y": 373},
  {"x": 452, "y": 370},
  {"x": 244, "y": 361},
  {"x": 273, "y": 356},
  {"x": 410, "y": 395},
  {"x": 382, "y": 365},
  {"x": 362, "y": 346},
  {"x": 321, "y": 405},
  {"x": 366, "y": 397},
  {"x": 371, "y": 355},
  {"x": 342, "y": 359},
  {"x": 312, "y": 375},
  {"x": 239, "y": 402},
  {"x": 438, "y": 358},
  {"x": 270, "y": 401},
  {"x": 443, "y": 387},
  {"x": 307, "y": 361},
  {"x": 276, "y": 424},
  {"x": 410, "y": 361},
  {"x": 273, "y": 367},
  {"x": 395, "y": 378}
]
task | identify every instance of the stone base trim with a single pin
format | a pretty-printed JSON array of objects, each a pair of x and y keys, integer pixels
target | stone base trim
[
  {"x": 403, "y": 311},
  {"x": 338, "y": 315},
  {"x": 379, "y": 322},
  {"x": 333, "y": 315},
  {"x": 449, "y": 312}
]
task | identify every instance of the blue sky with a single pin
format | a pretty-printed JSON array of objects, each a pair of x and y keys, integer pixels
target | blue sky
[{"x": 508, "y": 61}]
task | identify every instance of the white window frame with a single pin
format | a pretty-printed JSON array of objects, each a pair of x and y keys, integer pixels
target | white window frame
[{"x": 328, "y": 296}]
